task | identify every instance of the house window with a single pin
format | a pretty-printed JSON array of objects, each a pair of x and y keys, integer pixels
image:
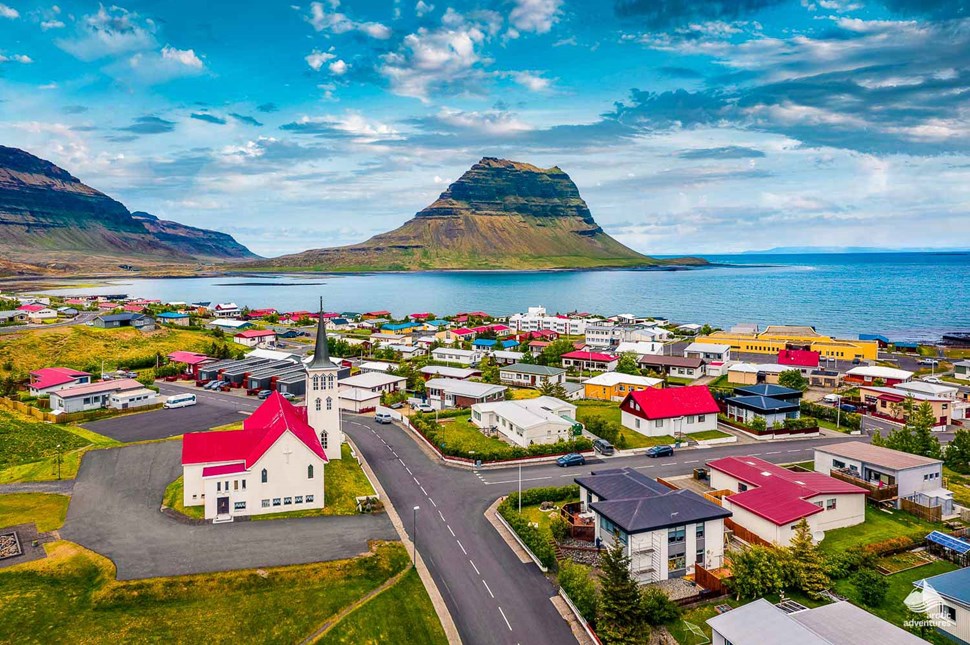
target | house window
[
  {"x": 830, "y": 504},
  {"x": 950, "y": 613},
  {"x": 309, "y": 499},
  {"x": 276, "y": 501},
  {"x": 264, "y": 476},
  {"x": 699, "y": 557},
  {"x": 309, "y": 471},
  {"x": 676, "y": 563},
  {"x": 317, "y": 405},
  {"x": 638, "y": 423},
  {"x": 659, "y": 423},
  {"x": 323, "y": 439},
  {"x": 329, "y": 403},
  {"x": 244, "y": 484},
  {"x": 239, "y": 506},
  {"x": 218, "y": 487},
  {"x": 287, "y": 501},
  {"x": 699, "y": 530},
  {"x": 235, "y": 484},
  {"x": 676, "y": 534},
  {"x": 838, "y": 464},
  {"x": 298, "y": 499},
  {"x": 742, "y": 487},
  {"x": 700, "y": 418},
  {"x": 265, "y": 503}
]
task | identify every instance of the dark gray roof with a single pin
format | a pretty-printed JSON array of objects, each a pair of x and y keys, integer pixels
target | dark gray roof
[
  {"x": 620, "y": 483},
  {"x": 122, "y": 317},
  {"x": 528, "y": 368},
  {"x": 767, "y": 389},
  {"x": 763, "y": 404}
]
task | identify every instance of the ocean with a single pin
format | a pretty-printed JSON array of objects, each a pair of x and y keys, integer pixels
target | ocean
[{"x": 906, "y": 296}]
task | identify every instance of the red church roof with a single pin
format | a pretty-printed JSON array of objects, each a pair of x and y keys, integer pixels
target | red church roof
[
  {"x": 275, "y": 416},
  {"x": 669, "y": 403}
]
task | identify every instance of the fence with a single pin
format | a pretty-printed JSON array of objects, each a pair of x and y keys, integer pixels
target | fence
[
  {"x": 717, "y": 495},
  {"x": 72, "y": 417},
  {"x": 709, "y": 581},
  {"x": 926, "y": 513},
  {"x": 744, "y": 534},
  {"x": 667, "y": 484}
]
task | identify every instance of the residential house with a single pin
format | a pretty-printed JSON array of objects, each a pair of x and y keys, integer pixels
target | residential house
[
  {"x": 676, "y": 366},
  {"x": 13, "y": 317},
  {"x": 454, "y": 355},
  {"x": 754, "y": 373},
  {"x": 444, "y": 371},
  {"x": 377, "y": 366},
  {"x": 888, "y": 474},
  {"x": 445, "y": 393},
  {"x": 374, "y": 382},
  {"x": 948, "y": 598},
  {"x": 401, "y": 328},
  {"x": 67, "y": 312},
  {"x": 838, "y": 623},
  {"x": 640, "y": 347},
  {"x": 51, "y": 379},
  {"x": 689, "y": 329},
  {"x": 407, "y": 352},
  {"x": 803, "y": 360},
  {"x": 176, "y": 318},
  {"x": 193, "y": 362},
  {"x": 708, "y": 352},
  {"x": 773, "y": 403},
  {"x": 961, "y": 370},
  {"x": 870, "y": 374},
  {"x": 484, "y": 344},
  {"x": 230, "y": 324},
  {"x": 255, "y": 337},
  {"x": 664, "y": 532},
  {"x": 226, "y": 310},
  {"x": 526, "y": 375},
  {"x": 540, "y": 420},
  {"x": 372, "y": 315},
  {"x": 114, "y": 321},
  {"x": 614, "y": 386},
  {"x": 826, "y": 379},
  {"x": 506, "y": 357},
  {"x": 958, "y": 409},
  {"x": 92, "y": 396},
  {"x": 536, "y": 347},
  {"x": 769, "y": 500},
  {"x": 896, "y": 405},
  {"x": 37, "y": 313},
  {"x": 589, "y": 361},
  {"x": 671, "y": 411}
]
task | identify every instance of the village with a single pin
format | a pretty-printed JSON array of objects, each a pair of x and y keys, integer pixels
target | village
[{"x": 739, "y": 480}]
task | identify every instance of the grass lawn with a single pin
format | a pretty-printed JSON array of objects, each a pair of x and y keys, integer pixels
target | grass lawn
[
  {"x": 543, "y": 518},
  {"x": 960, "y": 485},
  {"x": 401, "y": 614},
  {"x": 610, "y": 411},
  {"x": 519, "y": 393},
  {"x": 830, "y": 425},
  {"x": 72, "y": 596},
  {"x": 807, "y": 465},
  {"x": 47, "y": 510},
  {"x": 459, "y": 432},
  {"x": 708, "y": 434},
  {"x": 879, "y": 526},
  {"x": 697, "y": 616},
  {"x": 28, "y": 448},
  {"x": 174, "y": 500}
]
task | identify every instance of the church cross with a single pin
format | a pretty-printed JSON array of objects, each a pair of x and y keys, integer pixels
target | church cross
[{"x": 287, "y": 451}]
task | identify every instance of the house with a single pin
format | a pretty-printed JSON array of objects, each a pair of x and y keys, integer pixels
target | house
[
  {"x": 589, "y": 361},
  {"x": 614, "y": 386},
  {"x": 37, "y": 313},
  {"x": 192, "y": 361},
  {"x": 274, "y": 464},
  {"x": 672, "y": 411},
  {"x": 173, "y": 318},
  {"x": 689, "y": 329},
  {"x": 536, "y": 347},
  {"x": 665, "y": 532},
  {"x": 676, "y": 366},
  {"x": 401, "y": 328},
  {"x": 450, "y": 355},
  {"x": 91, "y": 396},
  {"x": 131, "y": 399},
  {"x": 445, "y": 393},
  {"x": 827, "y": 379},
  {"x": 708, "y": 352},
  {"x": 13, "y": 317},
  {"x": 950, "y": 603},
  {"x": 958, "y": 409},
  {"x": 67, "y": 312},
  {"x": 506, "y": 357},
  {"x": 540, "y": 420},
  {"x": 839, "y": 623},
  {"x": 961, "y": 370},
  {"x": 640, "y": 348},
  {"x": 407, "y": 352},
  {"x": 362, "y": 393},
  {"x": 51, "y": 379},
  {"x": 801, "y": 359},
  {"x": 436, "y": 325},
  {"x": 870, "y": 374},
  {"x": 769, "y": 500},
  {"x": 262, "y": 313},
  {"x": 754, "y": 373},
  {"x": 773, "y": 403},
  {"x": 255, "y": 337},
  {"x": 774, "y": 338},
  {"x": 128, "y": 319},
  {"x": 484, "y": 344},
  {"x": 536, "y": 319},
  {"x": 443, "y": 371},
  {"x": 888, "y": 474},
  {"x": 226, "y": 310},
  {"x": 377, "y": 366},
  {"x": 372, "y": 315},
  {"x": 896, "y": 405},
  {"x": 230, "y": 324},
  {"x": 526, "y": 375}
]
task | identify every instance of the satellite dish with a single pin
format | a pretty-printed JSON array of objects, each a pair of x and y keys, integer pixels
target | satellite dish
[{"x": 818, "y": 536}]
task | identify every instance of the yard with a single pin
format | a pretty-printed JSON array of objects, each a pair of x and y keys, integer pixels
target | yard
[
  {"x": 459, "y": 432},
  {"x": 44, "y": 509},
  {"x": 707, "y": 435},
  {"x": 959, "y": 485},
  {"x": 879, "y": 526},
  {"x": 696, "y": 616},
  {"x": 29, "y": 448},
  {"x": 519, "y": 393},
  {"x": 610, "y": 411},
  {"x": 173, "y": 499}
]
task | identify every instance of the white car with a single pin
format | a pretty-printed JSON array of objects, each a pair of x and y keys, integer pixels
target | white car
[
  {"x": 933, "y": 379},
  {"x": 423, "y": 407}
]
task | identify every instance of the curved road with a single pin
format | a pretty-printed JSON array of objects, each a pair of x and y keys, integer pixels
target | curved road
[{"x": 494, "y": 597}]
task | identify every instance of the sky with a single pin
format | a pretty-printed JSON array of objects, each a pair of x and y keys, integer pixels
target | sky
[{"x": 689, "y": 126}]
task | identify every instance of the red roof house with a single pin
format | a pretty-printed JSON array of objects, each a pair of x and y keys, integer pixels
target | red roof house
[
  {"x": 420, "y": 316},
  {"x": 50, "y": 379},
  {"x": 583, "y": 360},
  {"x": 798, "y": 358},
  {"x": 253, "y": 337},
  {"x": 31, "y": 308},
  {"x": 670, "y": 403}
]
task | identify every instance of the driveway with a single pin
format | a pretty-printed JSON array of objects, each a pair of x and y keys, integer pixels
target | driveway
[{"x": 115, "y": 512}]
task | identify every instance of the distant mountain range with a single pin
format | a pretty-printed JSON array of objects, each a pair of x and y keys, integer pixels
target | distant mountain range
[
  {"x": 800, "y": 250},
  {"x": 51, "y": 222},
  {"x": 500, "y": 214}
]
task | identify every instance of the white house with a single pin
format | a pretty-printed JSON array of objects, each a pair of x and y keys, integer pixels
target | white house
[
  {"x": 444, "y": 371},
  {"x": 664, "y": 532},
  {"x": 131, "y": 399},
  {"x": 670, "y": 411},
  {"x": 528, "y": 375},
  {"x": 90, "y": 396},
  {"x": 640, "y": 348},
  {"x": 51, "y": 379},
  {"x": 948, "y": 598},
  {"x": 40, "y": 315},
  {"x": 374, "y": 382},
  {"x": 709, "y": 352},
  {"x": 226, "y": 310},
  {"x": 454, "y": 355},
  {"x": 537, "y": 319},
  {"x": 769, "y": 500},
  {"x": 541, "y": 420},
  {"x": 456, "y": 393},
  {"x": 506, "y": 356},
  {"x": 255, "y": 337},
  {"x": 377, "y": 366}
]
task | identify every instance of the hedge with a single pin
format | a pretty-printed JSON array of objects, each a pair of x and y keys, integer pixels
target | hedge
[
  {"x": 848, "y": 419},
  {"x": 538, "y": 543}
]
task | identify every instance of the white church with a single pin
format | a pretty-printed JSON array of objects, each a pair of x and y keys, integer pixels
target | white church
[{"x": 276, "y": 462}]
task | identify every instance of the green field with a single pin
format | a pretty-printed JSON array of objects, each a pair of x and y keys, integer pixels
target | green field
[
  {"x": 46, "y": 510},
  {"x": 879, "y": 526},
  {"x": 29, "y": 448},
  {"x": 610, "y": 411},
  {"x": 459, "y": 432}
]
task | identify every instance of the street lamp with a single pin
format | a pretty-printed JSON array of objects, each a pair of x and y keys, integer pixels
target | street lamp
[
  {"x": 838, "y": 411},
  {"x": 414, "y": 547},
  {"x": 58, "y": 461}
]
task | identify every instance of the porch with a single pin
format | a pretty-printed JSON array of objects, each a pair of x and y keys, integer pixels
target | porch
[
  {"x": 876, "y": 483},
  {"x": 582, "y": 523}
]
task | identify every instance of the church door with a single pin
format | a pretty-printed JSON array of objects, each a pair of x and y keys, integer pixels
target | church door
[{"x": 222, "y": 506}]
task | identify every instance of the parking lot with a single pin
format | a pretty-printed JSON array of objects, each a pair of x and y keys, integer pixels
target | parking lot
[{"x": 213, "y": 409}]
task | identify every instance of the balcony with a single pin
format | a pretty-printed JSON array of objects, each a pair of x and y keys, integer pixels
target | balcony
[{"x": 877, "y": 491}]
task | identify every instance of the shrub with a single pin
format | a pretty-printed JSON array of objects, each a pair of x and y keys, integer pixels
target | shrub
[
  {"x": 535, "y": 539},
  {"x": 658, "y": 608},
  {"x": 559, "y": 528},
  {"x": 849, "y": 420},
  {"x": 841, "y": 564},
  {"x": 870, "y": 587},
  {"x": 577, "y": 581},
  {"x": 896, "y": 544}
]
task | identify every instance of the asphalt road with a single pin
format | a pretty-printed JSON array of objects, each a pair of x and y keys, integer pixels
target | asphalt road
[
  {"x": 213, "y": 409},
  {"x": 493, "y": 597},
  {"x": 81, "y": 319}
]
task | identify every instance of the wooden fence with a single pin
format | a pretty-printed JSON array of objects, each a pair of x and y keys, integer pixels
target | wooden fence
[
  {"x": 717, "y": 495},
  {"x": 709, "y": 581},
  {"x": 667, "y": 484},
  {"x": 743, "y": 533},
  {"x": 73, "y": 417},
  {"x": 927, "y": 513}
]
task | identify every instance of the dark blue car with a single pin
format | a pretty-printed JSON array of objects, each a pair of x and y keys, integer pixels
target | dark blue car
[
  {"x": 847, "y": 407},
  {"x": 660, "y": 451},
  {"x": 572, "y": 459}
]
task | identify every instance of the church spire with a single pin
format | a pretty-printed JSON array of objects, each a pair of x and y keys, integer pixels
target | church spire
[{"x": 321, "y": 352}]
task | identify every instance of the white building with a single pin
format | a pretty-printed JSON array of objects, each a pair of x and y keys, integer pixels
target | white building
[
  {"x": 374, "y": 382},
  {"x": 506, "y": 356},
  {"x": 51, "y": 379},
  {"x": 670, "y": 411},
  {"x": 444, "y": 371},
  {"x": 90, "y": 396},
  {"x": 132, "y": 399},
  {"x": 528, "y": 375},
  {"x": 664, "y": 532},
  {"x": 445, "y": 393},
  {"x": 454, "y": 355},
  {"x": 377, "y": 366},
  {"x": 537, "y": 319},
  {"x": 226, "y": 310},
  {"x": 640, "y": 348},
  {"x": 541, "y": 420},
  {"x": 948, "y": 598},
  {"x": 709, "y": 352}
]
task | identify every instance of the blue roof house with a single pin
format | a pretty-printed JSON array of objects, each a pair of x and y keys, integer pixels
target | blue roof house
[{"x": 946, "y": 598}]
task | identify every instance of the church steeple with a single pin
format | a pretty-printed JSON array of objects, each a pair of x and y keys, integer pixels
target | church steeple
[{"x": 321, "y": 351}]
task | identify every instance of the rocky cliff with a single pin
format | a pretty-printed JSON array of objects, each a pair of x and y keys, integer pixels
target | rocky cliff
[
  {"x": 499, "y": 215},
  {"x": 197, "y": 242},
  {"x": 50, "y": 219}
]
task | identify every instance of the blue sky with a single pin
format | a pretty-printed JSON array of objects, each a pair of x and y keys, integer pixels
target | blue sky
[{"x": 690, "y": 126}]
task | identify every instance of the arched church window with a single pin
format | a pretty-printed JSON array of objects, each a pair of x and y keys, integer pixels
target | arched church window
[
  {"x": 329, "y": 403},
  {"x": 317, "y": 405},
  {"x": 264, "y": 476}
]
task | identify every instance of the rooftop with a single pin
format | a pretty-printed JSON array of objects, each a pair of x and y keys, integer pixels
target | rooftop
[
  {"x": 651, "y": 360},
  {"x": 589, "y": 356},
  {"x": 766, "y": 389},
  {"x": 464, "y": 388},
  {"x": 609, "y": 379},
  {"x": 763, "y": 404},
  {"x": 877, "y": 455},
  {"x": 528, "y": 413},
  {"x": 539, "y": 370},
  {"x": 709, "y": 348},
  {"x": 954, "y": 585},
  {"x": 99, "y": 387},
  {"x": 877, "y": 371},
  {"x": 371, "y": 379},
  {"x": 670, "y": 402}
]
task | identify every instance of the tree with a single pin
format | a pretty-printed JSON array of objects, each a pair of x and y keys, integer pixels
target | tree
[
  {"x": 528, "y": 358},
  {"x": 627, "y": 364},
  {"x": 555, "y": 390},
  {"x": 552, "y": 353},
  {"x": 870, "y": 587},
  {"x": 957, "y": 455},
  {"x": 793, "y": 379},
  {"x": 621, "y": 618},
  {"x": 916, "y": 435},
  {"x": 658, "y": 608},
  {"x": 490, "y": 371},
  {"x": 756, "y": 572},
  {"x": 577, "y": 581},
  {"x": 808, "y": 562}
]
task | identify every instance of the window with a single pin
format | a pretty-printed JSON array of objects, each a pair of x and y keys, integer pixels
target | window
[
  {"x": 265, "y": 503},
  {"x": 676, "y": 563},
  {"x": 699, "y": 557},
  {"x": 830, "y": 504},
  {"x": 948, "y": 612},
  {"x": 700, "y": 418},
  {"x": 264, "y": 476},
  {"x": 287, "y": 501},
  {"x": 838, "y": 464},
  {"x": 329, "y": 403},
  {"x": 323, "y": 439},
  {"x": 607, "y": 525},
  {"x": 317, "y": 405},
  {"x": 239, "y": 506},
  {"x": 742, "y": 487},
  {"x": 276, "y": 501},
  {"x": 316, "y": 382},
  {"x": 309, "y": 499},
  {"x": 309, "y": 471},
  {"x": 699, "y": 530},
  {"x": 218, "y": 487},
  {"x": 244, "y": 484},
  {"x": 659, "y": 423},
  {"x": 676, "y": 534},
  {"x": 638, "y": 423},
  {"x": 298, "y": 499},
  {"x": 235, "y": 484},
  {"x": 819, "y": 504}
]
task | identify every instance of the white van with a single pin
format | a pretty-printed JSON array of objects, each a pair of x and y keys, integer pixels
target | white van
[{"x": 180, "y": 401}]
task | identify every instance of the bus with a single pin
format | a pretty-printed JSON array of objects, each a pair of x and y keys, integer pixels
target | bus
[{"x": 180, "y": 401}]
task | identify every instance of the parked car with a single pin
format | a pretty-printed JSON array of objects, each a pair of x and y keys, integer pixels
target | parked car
[
  {"x": 383, "y": 417},
  {"x": 848, "y": 407},
  {"x": 832, "y": 398},
  {"x": 423, "y": 407},
  {"x": 603, "y": 447},
  {"x": 856, "y": 361},
  {"x": 211, "y": 385},
  {"x": 933, "y": 379},
  {"x": 289, "y": 396},
  {"x": 397, "y": 405},
  {"x": 929, "y": 361},
  {"x": 660, "y": 451},
  {"x": 264, "y": 394},
  {"x": 572, "y": 459}
]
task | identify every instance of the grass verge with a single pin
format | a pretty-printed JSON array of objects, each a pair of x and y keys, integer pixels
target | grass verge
[
  {"x": 174, "y": 499},
  {"x": 610, "y": 412},
  {"x": 46, "y": 510}
]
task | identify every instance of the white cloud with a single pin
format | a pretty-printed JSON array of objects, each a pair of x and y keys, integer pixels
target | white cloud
[
  {"x": 335, "y": 22},
  {"x": 8, "y": 12},
  {"x": 423, "y": 8},
  {"x": 354, "y": 125},
  {"x": 162, "y": 66},
  {"x": 317, "y": 58},
  {"x": 16, "y": 58},
  {"x": 184, "y": 57},
  {"x": 338, "y": 67},
  {"x": 51, "y": 24},
  {"x": 536, "y": 16},
  {"x": 531, "y": 81},
  {"x": 109, "y": 32},
  {"x": 492, "y": 122}
]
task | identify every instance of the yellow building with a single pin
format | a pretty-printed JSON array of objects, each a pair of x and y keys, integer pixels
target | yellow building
[
  {"x": 614, "y": 386},
  {"x": 775, "y": 338}
]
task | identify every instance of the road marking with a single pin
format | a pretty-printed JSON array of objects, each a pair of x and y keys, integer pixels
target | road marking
[
  {"x": 461, "y": 547},
  {"x": 416, "y": 481},
  {"x": 450, "y": 531},
  {"x": 475, "y": 568},
  {"x": 432, "y": 503},
  {"x": 402, "y": 462},
  {"x": 775, "y": 452},
  {"x": 442, "y": 517},
  {"x": 506, "y": 619},
  {"x": 692, "y": 461},
  {"x": 489, "y": 590},
  {"x": 409, "y": 471},
  {"x": 796, "y": 451},
  {"x": 424, "y": 491}
]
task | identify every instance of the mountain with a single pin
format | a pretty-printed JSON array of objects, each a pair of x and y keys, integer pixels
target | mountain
[
  {"x": 49, "y": 219},
  {"x": 499, "y": 215}
]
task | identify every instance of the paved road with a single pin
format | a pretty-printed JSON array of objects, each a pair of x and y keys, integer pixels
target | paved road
[
  {"x": 80, "y": 319},
  {"x": 213, "y": 409},
  {"x": 494, "y": 597},
  {"x": 115, "y": 511},
  {"x": 62, "y": 486}
]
